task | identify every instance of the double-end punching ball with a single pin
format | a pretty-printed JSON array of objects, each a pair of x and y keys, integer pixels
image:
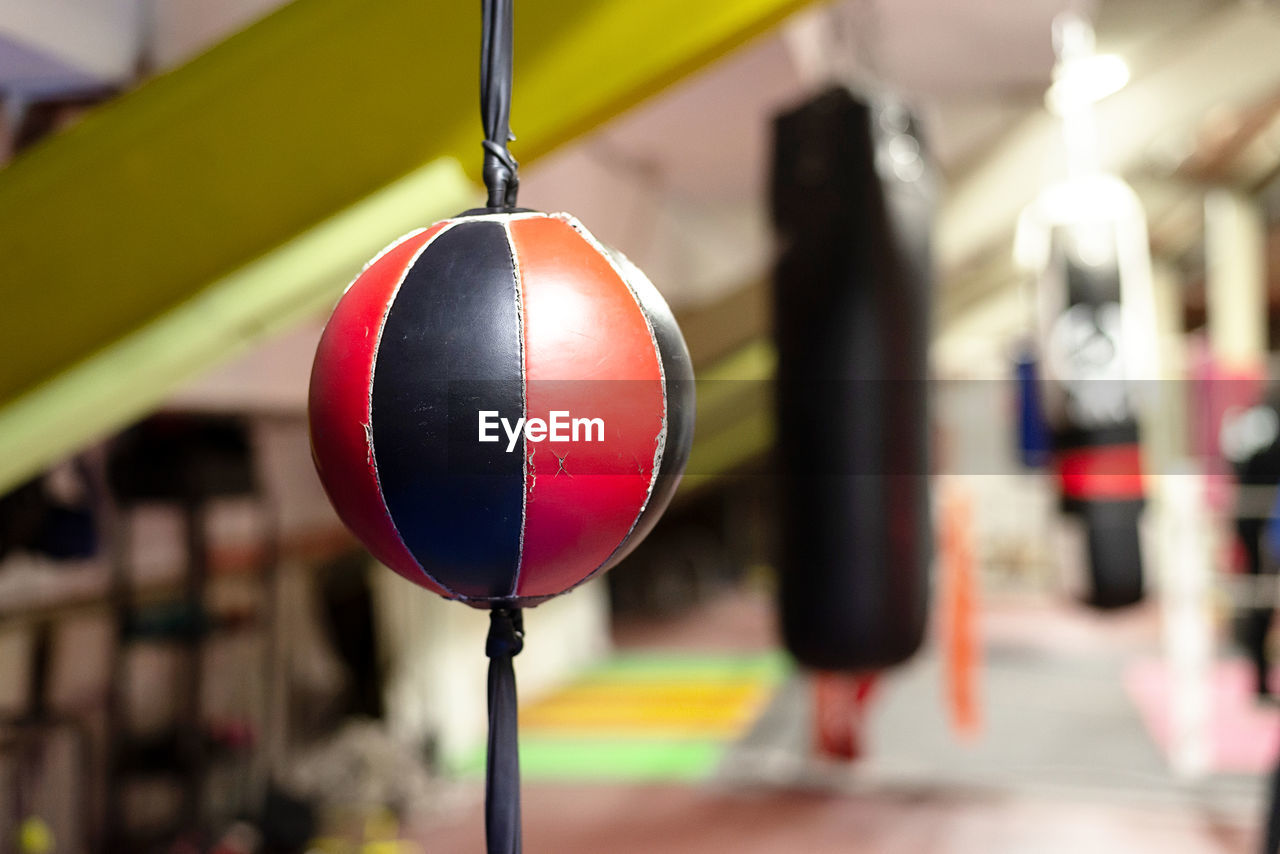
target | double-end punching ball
[
  {"x": 500, "y": 408},
  {"x": 852, "y": 200}
]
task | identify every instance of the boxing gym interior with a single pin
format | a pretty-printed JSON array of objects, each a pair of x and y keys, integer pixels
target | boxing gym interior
[{"x": 633, "y": 426}]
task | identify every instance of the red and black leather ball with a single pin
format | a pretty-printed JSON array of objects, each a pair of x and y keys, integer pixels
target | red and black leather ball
[{"x": 501, "y": 407}]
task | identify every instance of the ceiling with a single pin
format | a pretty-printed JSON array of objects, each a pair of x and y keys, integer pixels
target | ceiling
[
  {"x": 678, "y": 182},
  {"x": 47, "y": 46},
  {"x": 170, "y": 228}
]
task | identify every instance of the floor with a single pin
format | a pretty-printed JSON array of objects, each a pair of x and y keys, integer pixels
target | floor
[
  {"x": 1062, "y": 761},
  {"x": 576, "y": 819}
]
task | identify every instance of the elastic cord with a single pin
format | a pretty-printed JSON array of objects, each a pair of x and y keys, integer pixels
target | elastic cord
[
  {"x": 502, "y": 765},
  {"x": 506, "y": 625},
  {"x": 500, "y": 167}
]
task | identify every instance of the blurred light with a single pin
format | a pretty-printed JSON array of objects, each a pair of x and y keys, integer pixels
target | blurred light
[
  {"x": 1246, "y": 433},
  {"x": 1094, "y": 240},
  {"x": 1085, "y": 81}
]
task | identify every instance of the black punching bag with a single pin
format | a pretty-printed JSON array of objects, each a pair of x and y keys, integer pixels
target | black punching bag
[
  {"x": 852, "y": 199},
  {"x": 1092, "y": 416}
]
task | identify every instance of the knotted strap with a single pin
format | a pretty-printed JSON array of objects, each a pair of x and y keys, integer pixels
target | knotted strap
[
  {"x": 502, "y": 767},
  {"x": 495, "y": 102}
]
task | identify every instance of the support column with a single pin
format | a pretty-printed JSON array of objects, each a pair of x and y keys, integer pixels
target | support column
[
  {"x": 1164, "y": 412},
  {"x": 1236, "y": 282}
]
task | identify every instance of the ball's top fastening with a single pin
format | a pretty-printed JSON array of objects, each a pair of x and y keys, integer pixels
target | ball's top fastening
[{"x": 501, "y": 407}]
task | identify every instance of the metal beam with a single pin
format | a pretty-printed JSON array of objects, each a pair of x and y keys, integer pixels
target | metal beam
[
  {"x": 154, "y": 202},
  {"x": 297, "y": 280}
]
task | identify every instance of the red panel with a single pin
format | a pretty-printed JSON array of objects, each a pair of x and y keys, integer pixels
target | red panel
[
  {"x": 338, "y": 407},
  {"x": 588, "y": 352},
  {"x": 1103, "y": 473}
]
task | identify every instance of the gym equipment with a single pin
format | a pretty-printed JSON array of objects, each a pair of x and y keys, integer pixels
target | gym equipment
[
  {"x": 852, "y": 200},
  {"x": 1085, "y": 240},
  {"x": 500, "y": 408},
  {"x": 1094, "y": 424},
  {"x": 961, "y": 644},
  {"x": 840, "y": 701}
]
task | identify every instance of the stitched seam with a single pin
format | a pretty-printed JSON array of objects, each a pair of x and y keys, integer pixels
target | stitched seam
[{"x": 525, "y": 464}]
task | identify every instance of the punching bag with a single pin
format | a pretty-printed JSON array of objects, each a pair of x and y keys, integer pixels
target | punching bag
[
  {"x": 1085, "y": 238},
  {"x": 852, "y": 200},
  {"x": 1090, "y": 409}
]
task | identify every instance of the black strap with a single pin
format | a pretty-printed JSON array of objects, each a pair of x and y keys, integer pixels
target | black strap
[
  {"x": 495, "y": 102},
  {"x": 1271, "y": 841},
  {"x": 502, "y": 768}
]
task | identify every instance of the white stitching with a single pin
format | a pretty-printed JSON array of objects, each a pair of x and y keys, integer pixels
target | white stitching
[
  {"x": 503, "y": 217},
  {"x": 524, "y": 399},
  {"x": 376, "y": 258}
]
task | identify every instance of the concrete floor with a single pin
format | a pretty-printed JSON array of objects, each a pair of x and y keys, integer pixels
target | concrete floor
[
  {"x": 594, "y": 819},
  {"x": 1063, "y": 763}
]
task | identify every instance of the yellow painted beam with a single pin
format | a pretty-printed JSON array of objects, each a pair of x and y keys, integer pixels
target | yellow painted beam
[
  {"x": 154, "y": 202},
  {"x": 300, "y": 279}
]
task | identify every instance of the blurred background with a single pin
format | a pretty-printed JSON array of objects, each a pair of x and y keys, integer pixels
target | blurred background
[{"x": 977, "y": 546}]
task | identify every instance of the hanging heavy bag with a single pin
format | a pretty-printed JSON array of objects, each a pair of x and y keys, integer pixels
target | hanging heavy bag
[
  {"x": 1091, "y": 412},
  {"x": 852, "y": 199}
]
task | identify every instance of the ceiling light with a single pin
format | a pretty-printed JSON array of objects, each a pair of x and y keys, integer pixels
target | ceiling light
[{"x": 1085, "y": 81}]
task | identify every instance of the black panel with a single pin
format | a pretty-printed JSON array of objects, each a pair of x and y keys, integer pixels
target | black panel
[
  {"x": 852, "y": 201},
  {"x": 450, "y": 348}
]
